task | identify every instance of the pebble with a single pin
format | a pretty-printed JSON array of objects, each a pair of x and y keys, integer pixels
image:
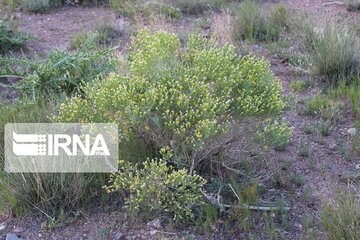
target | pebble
[
  {"x": 2, "y": 226},
  {"x": 156, "y": 223},
  {"x": 12, "y": 237},
  {"x": 118, "y": 236},
  {"x": 153, "y": 232},
  {"x": 351, "y": 131}
]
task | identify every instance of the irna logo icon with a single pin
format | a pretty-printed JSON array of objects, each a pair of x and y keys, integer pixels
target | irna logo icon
[{"x": 61, "y": 147}]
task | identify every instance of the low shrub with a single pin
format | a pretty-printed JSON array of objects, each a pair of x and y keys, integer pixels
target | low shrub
[
  {"x": 156, "y": 188},
  {"x": 11, "y": 38},
  {"x": 324, "y": 107},
  {"x": 276, "y": 135},
  {"x": 333, "y": 52},
  {"x": 178, "y": 98},
  {"x": 341, "y": 217},
  {"x": 65, "y": 72}
]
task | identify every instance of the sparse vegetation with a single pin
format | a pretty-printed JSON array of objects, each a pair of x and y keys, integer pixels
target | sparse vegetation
[
  {"x": 156, "y": 188},
  {"x": 341, "y": 217},
  {"x": 333, "y": 52},
  {"x": 277, "y": 135},
  {"x": 164, "y": 115},
  {"x": 10, "y": 37},
  {"x": 250, "y": 23},
  {"x": 230, "y": 115},
  {"x": 353, "y": 5},
  {"x": 65, "y": 72}
]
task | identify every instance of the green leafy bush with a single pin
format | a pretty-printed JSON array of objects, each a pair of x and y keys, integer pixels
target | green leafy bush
[
  {"x": 65, "y": 72},
  {"x": 10, "y": 38},
  {"x": 276, "y": 135},
  {"x": 178, "y": 98},
  {"x": 155, "y": 188}
]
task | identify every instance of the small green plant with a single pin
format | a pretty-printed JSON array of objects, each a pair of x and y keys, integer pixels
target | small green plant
[
  {"x": 10, "y": 37},
  {"x": 298, "y": 85},
  {"x": 333, "y": 52},
  {"x": 323, "y": 106},
  {"x": 350, "y": 92},
  {"x": 156, "y": 188},
  {"x": 304, "y": 150},
  {"x": 341, "y": 216},
  {"x": 353, "y": 5},
  {"x": 356, "y": 138},
  {"x": 277, "y": 135},
  {"x": 106, "y": 34},
  {"x": 323, "y": 128},
  {"x": 79, "y": 39},
  {"x": 308, "y": 129},
  {"x": 41, "y": 6}
]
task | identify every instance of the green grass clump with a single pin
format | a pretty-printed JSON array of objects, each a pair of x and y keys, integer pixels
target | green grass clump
[
  {"x": 51, "y": 193},
  {"x": 349, "y": 91},
  {"x": 341, "y": 217},
  {"x": 353, "y": 5},
  {"x": 64, "y": 73},
  {"x": 11, "y": 38},
  {"x": 276, "y": 135},
  {"x": 333, "y": 52},
  {"x": 324, "y": 107},
  {"x": 251, "y": 24},
  {"x": 39, "y": 6}
]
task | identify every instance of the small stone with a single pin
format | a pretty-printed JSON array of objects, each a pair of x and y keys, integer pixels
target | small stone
[
  {"x": 118, "y": 236},
  {"x": 2, "y": 226},
  {"x": 17, "y": 230},
  {"x": 12, "y": 237},
  {"x": 298, "y": 226},
  {"x": 357, "y": 166},
  {"x": 156, "y": 223},
  {"x": 332, "y": 146},
  {"x": 153, "y": 232},
  {"x": 351, "y": 131}
]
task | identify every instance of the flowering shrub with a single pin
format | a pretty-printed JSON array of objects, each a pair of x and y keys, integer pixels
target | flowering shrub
[
  {"x": 178, "y": 97},
  {"x": 156, "y": 188},
  {"x": 277, "y": 135}
]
